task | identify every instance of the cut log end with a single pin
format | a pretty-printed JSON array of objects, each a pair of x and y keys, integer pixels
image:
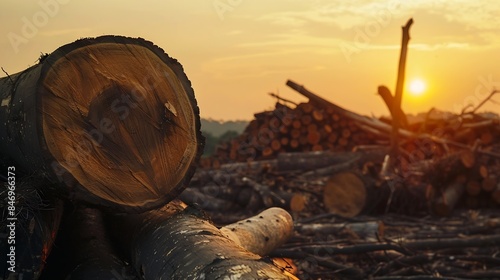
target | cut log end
[
  {"x": 345, "y": 194},
  {"x": 120, "y": 118}
]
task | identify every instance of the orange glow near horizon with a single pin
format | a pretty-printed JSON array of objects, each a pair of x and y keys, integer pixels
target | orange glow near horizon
[{"x": 235, "y": 52}]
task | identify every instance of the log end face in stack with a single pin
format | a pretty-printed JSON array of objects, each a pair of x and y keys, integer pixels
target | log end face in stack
[
  {"x": 345, "y": 194},
  {"x": 120, "y": 120}
]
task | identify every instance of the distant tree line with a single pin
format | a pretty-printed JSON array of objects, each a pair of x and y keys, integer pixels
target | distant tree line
[{"x": 212, "y": 141}]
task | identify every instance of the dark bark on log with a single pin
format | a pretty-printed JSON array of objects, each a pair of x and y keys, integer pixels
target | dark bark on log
[
  {"x": 311, "y": 160},
  {"x": 114, "y": 119},
  {"x": 330, "y": 170},
  {"x": 33, "y": 229},
  {"x": 364, "y": 230},
  {"x": 90, "y": 251},
  {"x": 206, "y": 202},
  {"x": 190, "y": 247}
]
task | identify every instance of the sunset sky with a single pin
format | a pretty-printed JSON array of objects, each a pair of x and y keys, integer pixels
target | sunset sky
[{"x": 237, "y": 51}]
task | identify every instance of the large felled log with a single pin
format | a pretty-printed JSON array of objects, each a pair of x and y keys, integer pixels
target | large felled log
[
  {"x": 112, "y": 118},
  {"x": 175, "y": 242}
]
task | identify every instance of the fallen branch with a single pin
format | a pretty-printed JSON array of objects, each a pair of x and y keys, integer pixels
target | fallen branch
[
  {"x": 482, "y": 102},
  {"x": 282, "y": 99}
]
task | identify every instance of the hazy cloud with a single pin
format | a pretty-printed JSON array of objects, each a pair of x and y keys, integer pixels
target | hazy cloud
[
  {"x": 451, "y": 22},
  {"x": 59, "y": 32}
]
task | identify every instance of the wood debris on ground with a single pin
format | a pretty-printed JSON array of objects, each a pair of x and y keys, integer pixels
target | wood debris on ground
[{"x": 430, "y": 214}]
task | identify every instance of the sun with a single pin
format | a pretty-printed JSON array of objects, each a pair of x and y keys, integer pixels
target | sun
[{"x": 417, "y": 87}]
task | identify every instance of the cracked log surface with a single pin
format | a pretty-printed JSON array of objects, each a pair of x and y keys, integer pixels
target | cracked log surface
[{"x": 114, "y": 119}]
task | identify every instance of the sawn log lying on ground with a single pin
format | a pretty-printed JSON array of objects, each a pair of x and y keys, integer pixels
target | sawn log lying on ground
[
  {"x": 176, "y": 242},
  {"x": 114, "y": 119}
]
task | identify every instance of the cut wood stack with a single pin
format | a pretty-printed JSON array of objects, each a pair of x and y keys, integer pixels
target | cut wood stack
[
  {"x": 303, "y": 128},
  {"x": 436, "y": 150}
]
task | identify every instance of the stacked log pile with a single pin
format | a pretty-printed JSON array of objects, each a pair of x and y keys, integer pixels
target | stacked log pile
[
  {"x": 444, "y": 162},
  {"x": 308, "y": 127},
  {"x": 303, "y": 128}
]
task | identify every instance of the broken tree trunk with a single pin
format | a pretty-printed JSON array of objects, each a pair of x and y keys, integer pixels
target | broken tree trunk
[
  {"x": 112, "y": 118},
  {"x": 398, "y": 94},
  {"x": 174, "y": 242},
  {"x": 398, "y": 115}
]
